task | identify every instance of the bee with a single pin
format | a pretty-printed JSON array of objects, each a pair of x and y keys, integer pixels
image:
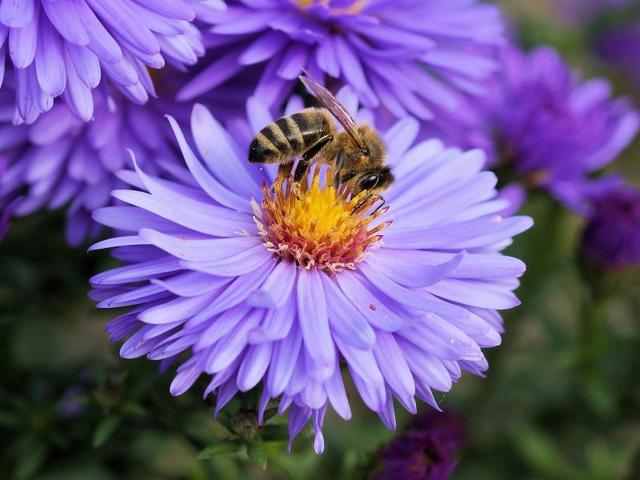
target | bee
[{"x": 357, "y": 153}]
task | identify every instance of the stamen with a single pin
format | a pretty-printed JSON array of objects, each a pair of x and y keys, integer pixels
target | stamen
[{"x": 318, "y": 226}]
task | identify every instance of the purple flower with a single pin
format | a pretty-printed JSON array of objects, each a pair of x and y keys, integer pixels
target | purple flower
[
  {"x": 425, "y": 451},
  {"x": 611, "y": 239},
  {"x": 264, "y": 283},
  {"x": 65, "y": 47},
  {"x": 61, "y": 160},
  {"x": 408, "y": 56},
  {"x": 551, "y": 129},
  {"x": 620, "y": 48}
]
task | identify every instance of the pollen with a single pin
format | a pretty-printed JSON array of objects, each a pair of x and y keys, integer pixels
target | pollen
[
  {"x": 354, "y": 8},
  {"x": 316, "y": 225}
]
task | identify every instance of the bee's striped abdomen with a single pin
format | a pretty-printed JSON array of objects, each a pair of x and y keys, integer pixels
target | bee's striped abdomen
[{"x": 289, "y": 137}]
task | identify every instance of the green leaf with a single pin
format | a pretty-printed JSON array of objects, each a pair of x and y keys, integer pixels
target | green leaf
[
  {"x": 223, "y": 447},
  {"x": 104, "y": 430},
  {"x": 540, "y": 451},
  {"x": 9, "y": 419},
  {"x": 274, "y": 433},
  {"x": 269, "y": 413},
  {"x": 30, "y": 462},
  {"x": 258, "y": 453}
]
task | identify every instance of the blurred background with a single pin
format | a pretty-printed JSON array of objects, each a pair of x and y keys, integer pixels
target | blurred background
[{"x": 71, "y": 409}]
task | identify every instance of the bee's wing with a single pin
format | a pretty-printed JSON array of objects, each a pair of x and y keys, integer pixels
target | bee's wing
[{"x": 326, "y": 98}]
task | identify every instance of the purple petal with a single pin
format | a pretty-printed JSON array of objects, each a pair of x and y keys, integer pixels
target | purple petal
[
  {"x": 23, "y": 42},
  {"x": 221, "y": 154},
  {"x": 208, "y": 183},
  {"x": 64, "y": 16},
  {"x": 276, "y": 290},
  {"x": 184, "y": 380},
  {"x": 50, "y": 65},
  {"x": 475, "y": 293},
  {"x": 314, "y": 322},
  {"x": 120, "y": 18},
  {"x": 337, "y": 394},
  {"x": 228, "y": 348},
  {"x": 16, "y": 13},
  {"x": 283, "y": 362},
  {"x": 347, "y": 322},
  {"x": 377, "y": 313},
  {"x": 412, "y": 268},
  {"x": 393, "y": 366},
  {"x": 254, "y": 365},
  {"x": 263, "y": 48}
]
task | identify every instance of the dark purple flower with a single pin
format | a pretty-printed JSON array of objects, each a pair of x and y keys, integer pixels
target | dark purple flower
[
  {"x": 66, "y": 47},
  {"x": 264, "y": 283},
  {"x": 551, "y": 129},
  {"x": 611, "y": 239},
  {"x": 408, "y": 56},
  {"x": 60, "y": 160},
  {"x": 425, "y": 451},
  {"x": 620, "y": 48},
  {"x": 71, "y": 404}
]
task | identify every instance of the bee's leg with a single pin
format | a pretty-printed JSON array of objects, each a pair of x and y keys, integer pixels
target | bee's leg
[
  {"x": 366, "y": 199},
  {"x": 312, "y": 151},
  {"x": 284, "y": 170},
  {"x": 380, "y": 197},
  {"x": 339, "y": 165},
  {"x": 363, "y": 201}
]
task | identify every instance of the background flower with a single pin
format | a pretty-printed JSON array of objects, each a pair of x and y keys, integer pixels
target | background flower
[
  {"x": 66, "y": 48},
  {"x": 611, "y": 238},
  {"x": 546, "y": 128},
  {"x": 425, "y": 450},
  {"x": 408, "y": 57},
  {"x": 61, "y": 160},
  {"x": 205, "y": 275}
]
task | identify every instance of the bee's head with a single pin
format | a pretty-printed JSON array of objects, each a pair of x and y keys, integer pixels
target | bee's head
[
  {"x": 374, "y": 181},
  {"x": 372, "y": 151}
]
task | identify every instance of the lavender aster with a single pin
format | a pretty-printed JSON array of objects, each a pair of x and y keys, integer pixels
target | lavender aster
[
  {"x": 620, "y": 47},
  {"x": 552, "y": 129},
  {"x": 408, "y": 56},
  {"x": 260, "y": 283},
  {"x": 611, "y": 239},
  {"x": 66, "y": 47},
  {"x": 425, "y": 451},
  {"x": 61, "y": 160}
]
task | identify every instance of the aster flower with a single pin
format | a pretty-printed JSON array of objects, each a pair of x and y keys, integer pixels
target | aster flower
[
  {"x": 66, "y": 48},
  {"x": 61, "y": 160},
  {"x": 549, "y": 128},
  {"x": 620, "y": 47},
  {"x": 611, "y": 239},
  {"x": 252, "y": 281},
  {"x": 425, "y": 451},
  {"x": 408, "y": 56}
]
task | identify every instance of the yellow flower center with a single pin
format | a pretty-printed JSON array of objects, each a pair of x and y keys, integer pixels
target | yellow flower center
[
  {"x": 356, "y": 6},
  {"x": 318, "y": 226}
]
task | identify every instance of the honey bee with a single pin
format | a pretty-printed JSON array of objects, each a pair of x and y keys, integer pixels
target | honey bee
[{"x": 357, "y": 154}]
